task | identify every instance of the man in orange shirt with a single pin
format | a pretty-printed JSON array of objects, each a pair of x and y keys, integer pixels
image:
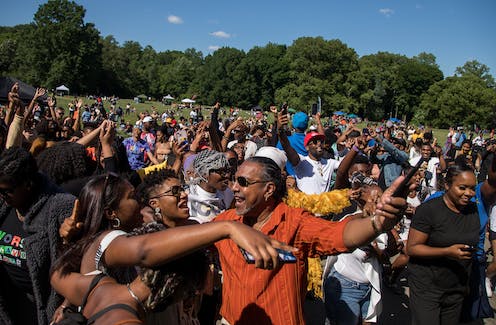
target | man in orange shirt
[{"x": 275, "y": 296}]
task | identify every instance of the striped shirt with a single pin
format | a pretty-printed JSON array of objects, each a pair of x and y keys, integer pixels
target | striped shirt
[{"x": 256, "y": 296}]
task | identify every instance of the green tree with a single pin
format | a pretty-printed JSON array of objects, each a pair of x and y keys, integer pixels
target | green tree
[
  {"x": 458, "y": 100},
  {"x": 64, "y": 49},
  {"x": 478, "y": 70}
]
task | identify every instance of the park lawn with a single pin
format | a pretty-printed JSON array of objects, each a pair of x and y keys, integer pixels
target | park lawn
[{"x": 63, "y": 101}]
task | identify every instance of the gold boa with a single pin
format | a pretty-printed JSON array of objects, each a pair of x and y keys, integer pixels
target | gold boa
[{"x": 319, "y": 204}]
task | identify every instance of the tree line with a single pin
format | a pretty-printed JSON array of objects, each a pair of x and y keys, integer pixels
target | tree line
[{"x": 59, "y": 47}]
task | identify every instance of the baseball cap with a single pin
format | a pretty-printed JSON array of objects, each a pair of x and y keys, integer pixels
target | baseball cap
[
  {"x": 313, "y": 135},
  {"x": 300, "y": 121},
  {"x": 168, "y": 120},
  {"x": 147, "y": 119}
]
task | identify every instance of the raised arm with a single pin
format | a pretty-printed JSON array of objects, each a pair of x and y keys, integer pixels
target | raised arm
[
  {"x": 387, "y": 214},
  {"x": 164, "y": 246},
  {"x": 213, "y": 130},
  {"x": 282, "y": 123}
]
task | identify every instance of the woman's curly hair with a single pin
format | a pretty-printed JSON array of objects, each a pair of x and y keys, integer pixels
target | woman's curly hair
[
  {"x": 152, "y": 181},
  {"x": 174, "y": 281},
  {"x": 65, "y": 161}
]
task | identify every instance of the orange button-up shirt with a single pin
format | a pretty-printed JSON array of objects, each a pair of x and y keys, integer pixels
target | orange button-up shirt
[{"x": 256, "y": 296}]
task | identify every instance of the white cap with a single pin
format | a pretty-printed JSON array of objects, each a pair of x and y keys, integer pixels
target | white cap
[
  {"x": 147, "y": 119},
  {"x": 277, "y": 155}
]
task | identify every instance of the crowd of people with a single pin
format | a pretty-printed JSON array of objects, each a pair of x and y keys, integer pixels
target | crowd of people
[{"x": 221, "y": 219}]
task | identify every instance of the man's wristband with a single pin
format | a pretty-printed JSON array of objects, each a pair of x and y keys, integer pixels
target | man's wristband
[
  {"x": 377, "y": 231},
  {"x": 356, "y": 149}
]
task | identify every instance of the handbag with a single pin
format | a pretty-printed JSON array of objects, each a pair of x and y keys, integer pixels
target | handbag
[{"x": 476, "y": 304}]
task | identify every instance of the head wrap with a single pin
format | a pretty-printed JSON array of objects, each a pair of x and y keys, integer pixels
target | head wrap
[{"x": 206, "y": 160}]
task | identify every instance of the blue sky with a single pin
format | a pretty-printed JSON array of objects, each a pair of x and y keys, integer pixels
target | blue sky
[{"x": 455, "y": 31}]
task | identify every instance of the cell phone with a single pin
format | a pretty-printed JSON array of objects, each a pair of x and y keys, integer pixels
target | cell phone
[
  {"x": 284, "y": 256},
  {"x": 315, "y": 109},
  {"x": 470, "y": 248},
  {"x": 402, "y": 190},
  {"x": 284, "y": 108}
]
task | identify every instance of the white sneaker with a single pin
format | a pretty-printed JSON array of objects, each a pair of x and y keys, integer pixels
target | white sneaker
[{"x": 489, "y": 289}]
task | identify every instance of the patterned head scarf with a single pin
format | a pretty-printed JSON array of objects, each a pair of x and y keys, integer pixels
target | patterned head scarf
[{"x": 206, "y": 160}]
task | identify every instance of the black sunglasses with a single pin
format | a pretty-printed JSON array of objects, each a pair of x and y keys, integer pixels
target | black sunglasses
[
  {"x": 4, "y": 192},
  {"x": 221, "y": 171},
  {"x": 243, "y": 182},
  {"x": 175, "y": 190}
]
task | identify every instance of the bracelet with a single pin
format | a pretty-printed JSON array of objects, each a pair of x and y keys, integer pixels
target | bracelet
[
  {"x": 377, "y": 231},
  {"x": 135, "y": 297}
]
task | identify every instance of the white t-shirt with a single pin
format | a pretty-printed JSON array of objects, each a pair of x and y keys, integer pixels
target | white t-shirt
[
  {"x": 314, "y": 177},
  {"x": 204, "y": 206},
  {"x": 432, "y": 167}
]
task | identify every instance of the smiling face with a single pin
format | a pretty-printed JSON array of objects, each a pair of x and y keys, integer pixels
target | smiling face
[
  {"x": 315, "y": 149},
  {"x": 460, "y": 190},
  {"x": 218, "y": 179},
  {"x": 250, "y": 200},
  {"x": 173, "y": 208}
]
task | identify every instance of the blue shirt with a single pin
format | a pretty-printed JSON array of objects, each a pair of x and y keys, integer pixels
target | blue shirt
[{"x": 136, "y": 151}]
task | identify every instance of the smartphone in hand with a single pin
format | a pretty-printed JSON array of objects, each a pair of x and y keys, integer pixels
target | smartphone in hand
[{"x": 284, "y": 256}]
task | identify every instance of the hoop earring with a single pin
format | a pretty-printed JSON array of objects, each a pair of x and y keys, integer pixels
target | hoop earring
[
  {"x": 116, "y": 223},
  {"x": 158, "y": 214}
]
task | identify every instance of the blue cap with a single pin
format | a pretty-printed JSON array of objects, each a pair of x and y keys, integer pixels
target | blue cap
[{"x": 300, "y": 121}]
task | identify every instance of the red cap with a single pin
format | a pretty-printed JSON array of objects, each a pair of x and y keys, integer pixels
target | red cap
[{"x": 313, "y": 135}]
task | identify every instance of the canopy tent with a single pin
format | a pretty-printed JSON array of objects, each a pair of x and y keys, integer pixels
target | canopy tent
[
  {"x": 187, "y": 101},
  {"x": 352, "y": 115},
  {"x": 339, "y": 113},
  {"x": 168, "y": 97},
  {"x": 395, "y": 120},
  {"x": 26, "y": 91},
  {"x": 62, "y": 90}
]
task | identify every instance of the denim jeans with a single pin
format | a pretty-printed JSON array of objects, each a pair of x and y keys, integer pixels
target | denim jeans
[{"x": 346, "y": 301}]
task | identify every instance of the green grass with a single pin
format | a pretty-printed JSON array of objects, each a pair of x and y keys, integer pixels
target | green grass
[{"x": 64, "y": 101}]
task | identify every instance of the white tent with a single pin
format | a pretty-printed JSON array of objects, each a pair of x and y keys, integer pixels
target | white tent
[
  {"x": 187, "y": 100},
  {"x": 62, "y": 90},
  {"x": 168, "y": 97}
]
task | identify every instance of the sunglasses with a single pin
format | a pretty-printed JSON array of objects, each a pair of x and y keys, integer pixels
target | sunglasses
[
  {"x": 222, "y": 171},
  {"x": 243, "y": 182},
  {"x": 175, "y": 190},
  {"x": 5, "y": 192}
]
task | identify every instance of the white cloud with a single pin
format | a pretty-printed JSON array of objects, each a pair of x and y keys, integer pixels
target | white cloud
[
  {"x": 386, "y": 11},
  {"x": 174, "y": 20},
  {"x": 220, "y": 34},
  {"x": 213, "y": 47}
]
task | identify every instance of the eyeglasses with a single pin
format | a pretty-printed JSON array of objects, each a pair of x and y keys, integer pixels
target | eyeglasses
[
  {"x": 221, "y": 171},
  {"x": 243, "y": 182},
  {"x": 175, "y": 190}
]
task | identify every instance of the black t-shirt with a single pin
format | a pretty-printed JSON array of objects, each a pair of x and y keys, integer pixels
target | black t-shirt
[
  {"x": 12, "y": 252},
  {"x": 444, "y": 228}
]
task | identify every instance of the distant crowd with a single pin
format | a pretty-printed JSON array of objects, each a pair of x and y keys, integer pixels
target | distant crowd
[{"x": 220, "y": 219}]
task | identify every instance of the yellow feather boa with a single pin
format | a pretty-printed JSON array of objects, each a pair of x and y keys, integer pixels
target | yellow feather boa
[{"x": 319, "y": 204}]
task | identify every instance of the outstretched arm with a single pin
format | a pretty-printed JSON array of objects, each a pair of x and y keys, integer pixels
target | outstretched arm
[
  {"x": 388, "y": 211},
  {"x": 164, "y": 246}
]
